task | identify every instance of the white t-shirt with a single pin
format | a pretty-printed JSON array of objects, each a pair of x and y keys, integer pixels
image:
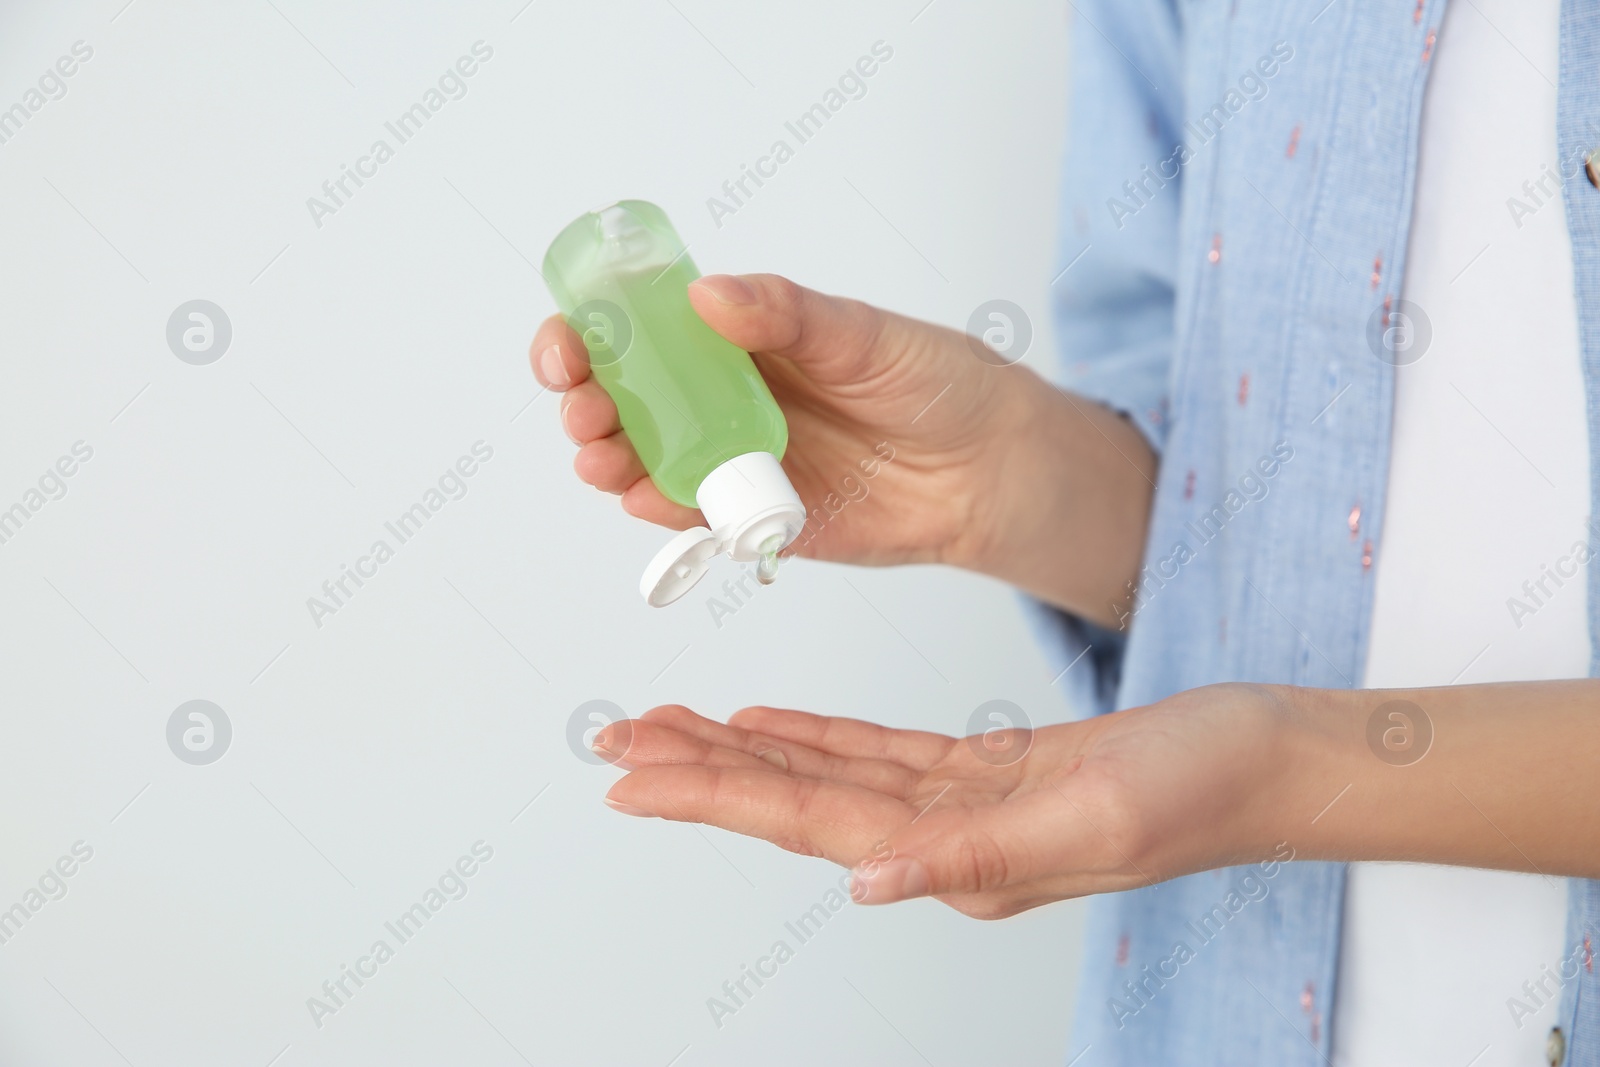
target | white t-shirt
[{"x": 1488, "y": 486}]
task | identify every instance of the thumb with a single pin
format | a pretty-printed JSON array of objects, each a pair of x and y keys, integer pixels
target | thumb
[
  {"x": 957, "y": 853},
  {"x": 771, "y": 314}
]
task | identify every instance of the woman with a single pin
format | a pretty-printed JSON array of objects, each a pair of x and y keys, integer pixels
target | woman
[{"x": 1313, "y": 503}]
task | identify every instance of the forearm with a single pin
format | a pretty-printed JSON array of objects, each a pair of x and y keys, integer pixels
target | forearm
[
  {"x": 1510, "y": 779},
  {"x": 1069, "y": 507}
]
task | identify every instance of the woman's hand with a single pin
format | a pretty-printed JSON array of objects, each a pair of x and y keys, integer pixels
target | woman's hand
[
  {"x": 1500, "y": 776},
  {"x": 990, "y": 825},
  {"x": 856, "y": 384},
  {"x": 993, "y": 469}
]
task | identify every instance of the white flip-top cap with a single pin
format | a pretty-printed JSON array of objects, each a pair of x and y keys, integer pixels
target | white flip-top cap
[
  {"x": 752, "y": 511},
  {"x": 681, "y": 562}
]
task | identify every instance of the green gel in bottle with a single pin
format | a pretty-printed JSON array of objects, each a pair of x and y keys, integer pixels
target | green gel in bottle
[{"x": 692, "y": 404}]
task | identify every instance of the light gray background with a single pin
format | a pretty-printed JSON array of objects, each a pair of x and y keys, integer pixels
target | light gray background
[{"x": 368, "y": 355}]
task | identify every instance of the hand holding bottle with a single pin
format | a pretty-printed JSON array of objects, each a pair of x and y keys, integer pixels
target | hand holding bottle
[
  {"x": 858, "y": 386},
  {"x": 993, "y": 469}
]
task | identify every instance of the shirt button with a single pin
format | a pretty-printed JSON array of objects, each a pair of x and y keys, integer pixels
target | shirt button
[{"x": 1555, "y": 1048}]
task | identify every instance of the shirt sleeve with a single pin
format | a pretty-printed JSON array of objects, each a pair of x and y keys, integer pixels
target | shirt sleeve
[{"x": 1113, "y": 300}]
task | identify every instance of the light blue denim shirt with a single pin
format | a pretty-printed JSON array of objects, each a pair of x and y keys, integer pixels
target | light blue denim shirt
[{"x": 1234, "y": 221}]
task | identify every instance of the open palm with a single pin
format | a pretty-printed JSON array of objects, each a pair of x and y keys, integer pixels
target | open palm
[{"x": 990, "y": 825}]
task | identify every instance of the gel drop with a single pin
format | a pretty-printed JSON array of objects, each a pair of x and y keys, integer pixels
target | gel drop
[{"x": 692, "y": 404}]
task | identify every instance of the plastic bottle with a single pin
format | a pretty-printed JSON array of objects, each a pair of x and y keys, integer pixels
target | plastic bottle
[{"x": 692, "y": 404}]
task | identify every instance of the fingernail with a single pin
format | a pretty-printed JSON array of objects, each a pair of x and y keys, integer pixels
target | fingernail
[
  {"x": 885, "y": 883},
  {"x": 564, "y": 429},
  {"x": 629, "y": 809},
  {"x": 728, "y": 289},
  {"x": 775, "y": 757},
  {"x": 554, "y": 367},
  {"x": 612, "y": 745}
]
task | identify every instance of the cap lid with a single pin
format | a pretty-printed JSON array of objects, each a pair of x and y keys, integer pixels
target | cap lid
[
  {"x": 751, "y": 505},
  {"x": 681, "y": 563},
  {"x": 753, "y": 512}
]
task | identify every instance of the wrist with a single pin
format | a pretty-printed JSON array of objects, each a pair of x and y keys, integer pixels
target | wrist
[
  {"x": 1334, "y": 773},
  {"x": 1290, "y": 790},
  {"x": 1063, "y": 498},
  {"x": 1461, "y": 775},
  {"x": 1002, "y": 503}
]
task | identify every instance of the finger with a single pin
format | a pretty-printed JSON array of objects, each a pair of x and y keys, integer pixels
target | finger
[
  {"x": 588, "y": 413},
  {"x": 609, "y": 464},
  {"x": 769, "y": 313},
  {"x": 917, "y": 749},
  {"x": 998, "y": 854},
  {"x": 644, "y": 501},
  {"x": 951, "y": 853},
  {"x": 894, "y": 779},
  {"x": 837, "y": 822},
  {"x": 634, "y": 743},
  {"x": 589, "y": 417},
  {"x": 557, "y": 355}
]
